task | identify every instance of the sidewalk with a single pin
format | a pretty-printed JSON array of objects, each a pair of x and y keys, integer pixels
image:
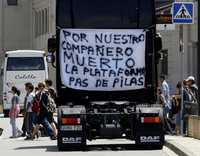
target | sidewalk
[{"x": 183, "y": 146}]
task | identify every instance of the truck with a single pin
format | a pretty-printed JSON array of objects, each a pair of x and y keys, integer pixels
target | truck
[
  {"x": 106, "y": 54},
  {"x": 20, "y": 67}
]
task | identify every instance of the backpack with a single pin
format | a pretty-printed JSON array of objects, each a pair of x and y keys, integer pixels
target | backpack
[
  {"x": 36, "y": 105},
  {"x": 51, "y": 105}
]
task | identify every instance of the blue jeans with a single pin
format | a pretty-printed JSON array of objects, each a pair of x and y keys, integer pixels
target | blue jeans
[
  {"x": 15, "y": 130},
  {"x": 14, "y": 127},
  {"x": 47, "y": 126}
]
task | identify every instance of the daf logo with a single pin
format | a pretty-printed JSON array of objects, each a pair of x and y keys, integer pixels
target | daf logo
[
  {"x": 149, "y": 138},
  {"x": 71, "y": 139}
]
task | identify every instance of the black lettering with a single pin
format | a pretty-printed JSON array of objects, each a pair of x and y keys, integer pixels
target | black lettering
[
  {"x": 130, "y": 63},
  {"x": 68, "y": 56},
  {"x": 75, "y": 48},
  {"x": 133, "y": 81},
  {"x": 80, "y": 60},
  {"x": 127, "y": 73},
  {"x": 120, "y": 71},
  {"x": 90, "y": 50},
  {"x": 98, "y": 39},
  {"x": 91, "y": 62},
  {"x": 128, "y": 51},
  {"x": 104, "y": 71},
  {"x": 124, "y": 39},
  {"x": 117, "y": 38},
  {"x": 104, "y": 83},
  {"x": 85, "y": 83},
  {"x": 112, "y": 73},
  {"x": 71, "y": 80},
  {"x": 104, "y": 62},
  {"x": 100, "y": 50},
  {"x": 119, "y": 51},
  {"x": 85, "y": 70},
  {"x": 78, "y": 82},
  {"x": 109, "y": 51},
  {"x": 64, "y": 46},
  {"x": 69, "y": 46},
  {"x": 117, "y": 60},
  {"x": 83, "y": 48},
  {"x": 115, "y": 82},
  {"x": 108, "y": 38},
  {"x": 141, "y": 37},
  {"x": 84, "y": 37},
  {"x": 74, "y": 70},
  {"x": 67, "y": 69},
  {"x": 75, "y": 37},
  {"x": 66, "y": 34},
  {"x": 98, "y": 83},
  {"x": 141, "y": 81}
]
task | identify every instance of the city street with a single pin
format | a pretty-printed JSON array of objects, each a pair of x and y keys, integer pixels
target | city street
[{"x": 45, "y": 146}]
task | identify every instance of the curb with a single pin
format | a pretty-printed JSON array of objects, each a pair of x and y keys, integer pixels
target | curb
[{"x": 178, "y": 149}]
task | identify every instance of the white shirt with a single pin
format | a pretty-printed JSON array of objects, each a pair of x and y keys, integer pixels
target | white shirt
[
  {"x": 29, "y": 101},
  {"x": 165, "y": 91}
]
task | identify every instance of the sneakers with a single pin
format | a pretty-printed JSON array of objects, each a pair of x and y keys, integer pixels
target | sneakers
[{"x": 53, "y": 137}]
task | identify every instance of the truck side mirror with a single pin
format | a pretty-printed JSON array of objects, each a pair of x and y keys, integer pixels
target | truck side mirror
[
  {"x": 158, "y": 44},
  {"x": 51, "y": 50}
]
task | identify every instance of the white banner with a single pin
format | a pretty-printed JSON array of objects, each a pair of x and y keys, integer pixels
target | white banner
[{"x": 102, "y": 59}]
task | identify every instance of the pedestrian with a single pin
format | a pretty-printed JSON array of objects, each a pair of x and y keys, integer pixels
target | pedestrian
[
  {"x": 24, "y": 110},
  {"x": 190, "y": 96},
  {"x": 192, "y": 88},
  {"x": 14, "y": 112},
  {"x": 164, "y": 88},
  {"x": 30, "y": 115},
  {"x": 169, "y": 121},
  {"x": 52, "y": 93},
  {"x": 176, "y": 106},
  {"x": 43, "y": 114}
]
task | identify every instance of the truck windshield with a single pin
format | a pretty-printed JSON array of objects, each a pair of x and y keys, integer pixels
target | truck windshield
[
  {"x": 105, "y": 14},
  {"x": 25, "y": 63}
]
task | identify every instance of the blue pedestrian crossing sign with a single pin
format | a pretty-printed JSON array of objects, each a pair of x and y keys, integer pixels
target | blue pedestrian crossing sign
[{"x": 183, "y": 13}]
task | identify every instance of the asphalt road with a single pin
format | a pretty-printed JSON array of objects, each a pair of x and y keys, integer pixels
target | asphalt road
[{"x": 44, "y": 146}]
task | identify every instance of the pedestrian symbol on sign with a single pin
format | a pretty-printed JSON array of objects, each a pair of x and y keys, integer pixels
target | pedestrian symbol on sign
[{"x": 183, "y": 12}]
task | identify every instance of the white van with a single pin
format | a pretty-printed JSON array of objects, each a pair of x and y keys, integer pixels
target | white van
[{"x": 20, "y": 67}]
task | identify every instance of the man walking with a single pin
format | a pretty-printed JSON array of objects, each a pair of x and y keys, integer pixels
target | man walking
[{"x": 164, "y": 88}]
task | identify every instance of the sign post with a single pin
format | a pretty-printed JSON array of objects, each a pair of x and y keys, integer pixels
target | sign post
[{"x": 182, "y": 13}]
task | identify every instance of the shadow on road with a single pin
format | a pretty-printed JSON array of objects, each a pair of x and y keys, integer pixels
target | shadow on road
[{"x": 107, "y": 147}]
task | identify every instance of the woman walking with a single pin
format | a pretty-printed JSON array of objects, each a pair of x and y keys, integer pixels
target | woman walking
[{"x": 14, "y": 112}]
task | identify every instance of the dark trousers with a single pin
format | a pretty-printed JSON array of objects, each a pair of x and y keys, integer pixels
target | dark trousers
[{"x": 42, "y": 119}]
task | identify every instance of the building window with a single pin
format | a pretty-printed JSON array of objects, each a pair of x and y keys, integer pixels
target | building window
[
  {"x": 12, "y": 2},
  {"x": 41, "y": 22}
]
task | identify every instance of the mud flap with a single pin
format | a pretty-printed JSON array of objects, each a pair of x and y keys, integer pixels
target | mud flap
[
  {"x": 149, "y": 131},
  {"x": 71, "y": 128}
]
